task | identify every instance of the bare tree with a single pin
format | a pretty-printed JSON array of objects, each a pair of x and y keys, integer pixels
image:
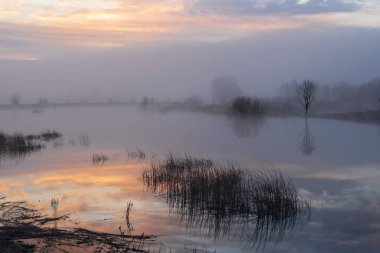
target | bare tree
[{"x": 306, "y": 94}]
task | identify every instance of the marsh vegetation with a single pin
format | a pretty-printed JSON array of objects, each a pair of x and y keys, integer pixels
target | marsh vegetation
[
  {"x": 16, "y": 146},
  {"x": 99, "y": 159},
  {"x": 204, "y": 203},
  {"x": 23, "y": 228},
  {"x": 82, "y": 140},
  {"x": 220, "y": 199},
  {"x": 137, "y": 154},
  {"x": 247, "y": 106}
]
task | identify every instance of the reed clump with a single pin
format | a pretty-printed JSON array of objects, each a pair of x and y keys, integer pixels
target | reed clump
[
  {"x": 244, "y": 105},
  {"x": 18, "y": 145},
  {"x": 222, "y": 199},
  {"x": 137, "y": 154},
  {"x": 99, "y": 158}
]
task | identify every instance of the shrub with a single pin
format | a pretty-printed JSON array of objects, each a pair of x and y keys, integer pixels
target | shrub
[{"x": 247, "y": 105}]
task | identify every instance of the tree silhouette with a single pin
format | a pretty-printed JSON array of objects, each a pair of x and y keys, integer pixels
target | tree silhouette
[{"x": 306, "y": 94}]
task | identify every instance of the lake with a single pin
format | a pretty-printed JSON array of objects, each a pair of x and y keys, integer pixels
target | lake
[{"x": 334, "y": 164}]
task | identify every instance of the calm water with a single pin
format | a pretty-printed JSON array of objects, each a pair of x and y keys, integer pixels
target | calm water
[{"x": 336, "y": 164}]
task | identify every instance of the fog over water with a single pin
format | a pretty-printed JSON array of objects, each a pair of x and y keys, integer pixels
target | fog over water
[
  {"x": 203, "y": 126},
  {"x": 340, "y": 175},
  {"x": 173, "y": 70}
]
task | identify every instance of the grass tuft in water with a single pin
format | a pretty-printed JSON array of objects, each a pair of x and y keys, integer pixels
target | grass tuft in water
[
  {"x": 138, "y": 154},
  {"x": 99, "y": 158},
  {"x": 222, "y": 199},
  {"x": 18, "y": 145}
]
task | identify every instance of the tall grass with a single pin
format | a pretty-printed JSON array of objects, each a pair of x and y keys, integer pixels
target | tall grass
[{"x": 222, "y": 199}]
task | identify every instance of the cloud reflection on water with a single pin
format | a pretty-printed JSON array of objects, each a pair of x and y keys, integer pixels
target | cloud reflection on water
[
  {"x": 350, "y": 209},
  {"x": 341, "y": 177}
]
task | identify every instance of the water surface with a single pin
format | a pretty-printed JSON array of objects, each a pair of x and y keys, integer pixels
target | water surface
[{"x": 334, "y": 163}]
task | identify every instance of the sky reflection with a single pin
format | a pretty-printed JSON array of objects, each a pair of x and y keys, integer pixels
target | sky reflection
[{"x": 341, "y": 177}]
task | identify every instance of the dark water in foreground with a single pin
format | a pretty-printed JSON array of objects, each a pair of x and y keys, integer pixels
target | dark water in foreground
[{"x": 335, "y": 164}]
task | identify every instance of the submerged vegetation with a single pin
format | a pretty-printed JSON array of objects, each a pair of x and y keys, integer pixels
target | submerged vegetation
[
  {"x": 99, "y": 158},
  {"x": 46, "y": 136},
  {"x": 18, "y": 145},
  {"x": 138, "y": 154},
  {"x": 24, "y": 229},
  {"x": 82, "y": 140},
  {"x": 127, "y": 218},
  {"x": 222, "y": 199}
]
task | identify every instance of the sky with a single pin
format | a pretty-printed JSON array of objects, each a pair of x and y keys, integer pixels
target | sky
[{"x": 171, "y": 49}]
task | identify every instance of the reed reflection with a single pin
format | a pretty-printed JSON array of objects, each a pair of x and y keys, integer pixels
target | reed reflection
[
  {"x": 307, "y": 144},
  {"x": 82, "y": 140},
  {"x": 54, "y": 205},
  {"x": 224, "y": 200}
]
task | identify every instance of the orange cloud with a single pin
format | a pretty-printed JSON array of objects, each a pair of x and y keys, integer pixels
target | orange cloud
[{"x": 116, "y": 23}]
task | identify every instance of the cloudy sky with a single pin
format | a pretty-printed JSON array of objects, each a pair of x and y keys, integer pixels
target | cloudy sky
[{"x": 174, "y": 48}]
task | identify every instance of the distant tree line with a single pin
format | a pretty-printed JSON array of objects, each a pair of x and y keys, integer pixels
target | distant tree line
[{"x": 337, "y": 97}]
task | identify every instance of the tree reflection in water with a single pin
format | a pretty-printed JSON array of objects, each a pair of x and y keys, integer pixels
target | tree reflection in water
[
  {"x": 223, "y": 200},
  {"x": 244, "y": 126},
  {"x": 307, "y": 145}
]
